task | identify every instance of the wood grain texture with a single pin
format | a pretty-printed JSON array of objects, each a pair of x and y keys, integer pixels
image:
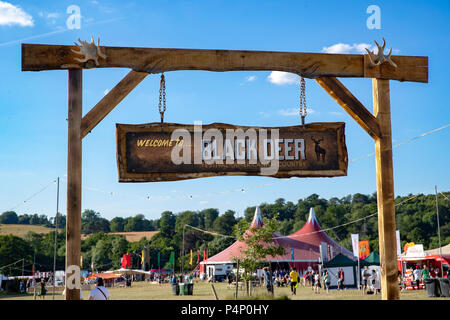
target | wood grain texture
[
  {"x": 351, "y": 105},
  {"x": 37, "y": 57},
  {"x": 110, "y": 101},
  {"x": 385, "y": 192},
  {"x": 74, "y": 156},
  {"x": 155, "y": 164}
]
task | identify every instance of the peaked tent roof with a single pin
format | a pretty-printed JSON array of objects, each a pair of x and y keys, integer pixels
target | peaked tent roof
[
  {"x": 312, "y": 234},
  {"x": 373, "y": 259},
  {"x": 302, "y": 251},
  {"x": 340, "y": 261}
]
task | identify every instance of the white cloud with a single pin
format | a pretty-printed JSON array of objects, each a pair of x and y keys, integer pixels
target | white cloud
[
  {"x": 358, "y": 48},
  {"x": 203, "y": 202},
  {"x": 281, "y": 78},
  {"x": 13, "y": 15},
  {"x": 251, "y": 78},
  {"x": 290, "y": 112},
  {"x": 336, "y": 113},
  {"x": 346, "y": 48}
]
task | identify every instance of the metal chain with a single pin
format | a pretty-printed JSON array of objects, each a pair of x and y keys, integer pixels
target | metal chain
[
  {"x": 162, "y": 98},
  {"x": 303, "y": 110}
]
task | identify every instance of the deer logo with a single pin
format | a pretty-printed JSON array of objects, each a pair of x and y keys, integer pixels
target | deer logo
[{"x": 320, "y": 152}]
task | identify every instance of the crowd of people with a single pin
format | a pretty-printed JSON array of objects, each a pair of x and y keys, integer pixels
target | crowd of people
[{"x": 311, "y": 278}]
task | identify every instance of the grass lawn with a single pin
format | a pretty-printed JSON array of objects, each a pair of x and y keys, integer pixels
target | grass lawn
[{"x": 203, "y": 291}]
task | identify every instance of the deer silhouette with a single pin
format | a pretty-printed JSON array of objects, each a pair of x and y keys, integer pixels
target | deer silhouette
[{"x": 319, "y": 151}]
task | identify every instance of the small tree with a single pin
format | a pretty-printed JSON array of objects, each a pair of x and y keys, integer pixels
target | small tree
[{"x": 260, "y": 245}]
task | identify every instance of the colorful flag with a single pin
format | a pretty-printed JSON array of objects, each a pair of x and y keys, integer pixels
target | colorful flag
[
  {"x": 172, "y": 259},
  {"x": 190, "y": 260},
  {"x": 364, "y": 249},
  {"x": 204, "y": 256},
  {"x": 142, "y": 258},
  {"x": 92, "y": 265},
  {"x": 355, "y": 244},
  {"x": 292, "y": 254},
  {"x": 159, "y": 259},
  {"x": 198, "y": 256},
  {"x": 126, "y": 261},
  {"x": 399, "y": 248},
  {"x": 81, "y": 261}
]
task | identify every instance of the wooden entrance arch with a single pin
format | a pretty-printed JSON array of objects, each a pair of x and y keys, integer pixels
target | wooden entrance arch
[{"x": 324, "y": 68}]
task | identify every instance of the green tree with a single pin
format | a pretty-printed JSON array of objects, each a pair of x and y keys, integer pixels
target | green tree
[
  {"x": 117, "y": 224},
  {"x": 167, "y": 224},
  {"x": 224, "y": 223},
  {"x": 260, "y": 245},
  {"x": 9, "y": 217},
  {"x": 12, "y": 249}
]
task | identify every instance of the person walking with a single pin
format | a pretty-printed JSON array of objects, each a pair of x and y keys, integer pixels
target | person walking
[
  {"x": 326, "y": 281},
  {"x": 317, "y": 282},
  {"x": 416, "y": 277},
  {"x": 99, "y": 292},
  {"x": 294, "y": 280},
  {"x": 341, "y": 278},
  {"x": 365, "y": 277},
  {"x": 424, "y": 274},
  {"x": 374, "y": 280},
  {"x": 267, "y": 279},
  {"x": 42, "y": 290}
]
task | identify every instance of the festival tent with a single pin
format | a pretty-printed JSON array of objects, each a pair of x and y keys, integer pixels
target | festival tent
[
  {"x": 445, "y": 250},
  {"x": 373, "y": 259},
  {"x": 349, "y": 266},
  {"x": 302, "y": 249},
  {"x": 312, "y": 234}
]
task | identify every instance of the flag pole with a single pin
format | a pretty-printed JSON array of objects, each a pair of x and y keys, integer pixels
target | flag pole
[{"x": 439, "y": 231}]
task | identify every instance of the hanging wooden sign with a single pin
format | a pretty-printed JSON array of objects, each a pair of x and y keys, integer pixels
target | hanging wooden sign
[{"x": 145, "y": 153}]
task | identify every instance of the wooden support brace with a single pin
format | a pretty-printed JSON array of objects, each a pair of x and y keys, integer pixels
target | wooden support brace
[
  {"x": 351, "y": 105},
  {"x": 110, "y": 101}
]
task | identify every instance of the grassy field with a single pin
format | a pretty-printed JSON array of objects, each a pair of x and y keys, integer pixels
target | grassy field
[
  {"x": 203, "y": 291},
  {"x": 21, "y": 230},
  {"x": 132, "y": 236}
]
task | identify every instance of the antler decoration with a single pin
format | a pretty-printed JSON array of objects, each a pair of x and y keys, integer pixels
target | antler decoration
[
  {"x": 380, "y": 57},
  {"x": 90, "y": 51}
]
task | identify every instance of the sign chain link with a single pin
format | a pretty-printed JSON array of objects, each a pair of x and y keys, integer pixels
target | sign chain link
[
  {"x": 303, "y": 110},
  {"x": 162, "y": 99}
]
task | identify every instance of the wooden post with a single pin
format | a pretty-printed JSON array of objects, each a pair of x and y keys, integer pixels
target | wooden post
[
  {"x": 385, "y": 191},
  {"x": 74, "y": 156}
]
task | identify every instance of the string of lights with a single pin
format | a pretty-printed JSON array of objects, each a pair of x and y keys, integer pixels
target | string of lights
[{"x": 205, "y": 195}]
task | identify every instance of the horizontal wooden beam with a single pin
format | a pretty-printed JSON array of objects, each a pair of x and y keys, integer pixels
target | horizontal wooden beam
[
  {"x": 110, "y": 101},
  {"x": 38, "y": 57},
  {"x": 353, "y": 106}
]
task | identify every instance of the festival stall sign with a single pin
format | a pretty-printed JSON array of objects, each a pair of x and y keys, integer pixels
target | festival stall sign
[{"x": 155, "y": 152}]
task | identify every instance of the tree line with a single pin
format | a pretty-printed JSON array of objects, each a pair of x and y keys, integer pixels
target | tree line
[{"x": 415, "y": 216}]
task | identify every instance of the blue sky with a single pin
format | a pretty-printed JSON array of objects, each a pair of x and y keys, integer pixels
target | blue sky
[{"x": 33, "y": 105}]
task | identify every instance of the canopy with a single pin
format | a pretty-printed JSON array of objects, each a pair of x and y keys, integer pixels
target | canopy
[
  {"x": 445, "y": 250},
  {"x": 340, "y": 261},
  {"x": 373, "y": 259},
  {"x": 105, "y": 275},
  {"x": 124, "y": 271}
]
